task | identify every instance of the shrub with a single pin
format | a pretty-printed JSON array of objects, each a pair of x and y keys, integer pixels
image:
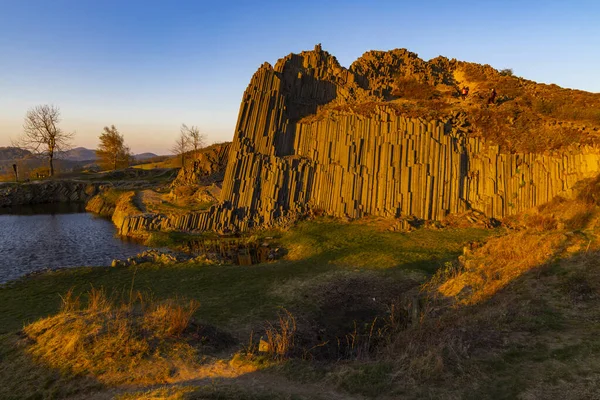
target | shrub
[
  {"x": 281, "y": 337},
  {"x": 590, "y": 191}
]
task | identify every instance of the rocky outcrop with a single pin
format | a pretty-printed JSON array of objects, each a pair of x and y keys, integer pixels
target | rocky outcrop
[
  {"x": 101, "y": 205},
  {"x": 384, "y": 163},
  {"x": 51, "y": 191},
  {"x": 312, "y": 134},
  {"x": 161, "y": 257},
  {"x": 206, "y": 167}
]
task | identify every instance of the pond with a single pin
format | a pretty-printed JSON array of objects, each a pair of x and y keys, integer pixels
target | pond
[{"x": 35, "y": 238}]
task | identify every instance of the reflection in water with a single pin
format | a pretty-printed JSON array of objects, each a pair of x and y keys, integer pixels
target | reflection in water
[
  {"x": 55, "y": 208},
  {"x": 61, "y": 237}
]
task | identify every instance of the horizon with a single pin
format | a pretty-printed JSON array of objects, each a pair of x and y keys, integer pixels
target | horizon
[{"x": 148, "y": 67}]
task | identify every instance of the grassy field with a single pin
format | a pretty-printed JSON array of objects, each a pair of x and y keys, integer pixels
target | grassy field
[
  {"x": 325, "y": 258},
  {"x": 234, "y": 296},
  {"x": 516, "y": 318}
]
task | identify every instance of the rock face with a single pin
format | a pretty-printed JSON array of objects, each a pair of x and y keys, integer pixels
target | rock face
[
  {"x": 288, "y": 156},
  {"x": 59, "y": 191},
  {"x": 208, "y": 166}
]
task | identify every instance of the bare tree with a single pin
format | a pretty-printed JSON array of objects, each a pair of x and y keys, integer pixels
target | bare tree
[
  {"x": 41, "y": 134},
  {"x": 112, "y": 150},
  {"x": 181, "y": 146},
  {"x": 196, "y": 139}
]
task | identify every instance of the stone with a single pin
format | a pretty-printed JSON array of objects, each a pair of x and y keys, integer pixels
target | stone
[{"x": 263, "y": 346}]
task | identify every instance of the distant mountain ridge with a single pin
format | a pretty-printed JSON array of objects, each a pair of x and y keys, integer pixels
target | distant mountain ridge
[
  {"x": 145, "y": 156},
  {"x": 76, "y": 154},
  {"x": 79, "y": 154},
  {"x": 13, "y": 153}
]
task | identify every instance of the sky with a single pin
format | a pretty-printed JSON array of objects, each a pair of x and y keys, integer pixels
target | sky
[{"x": 149, "y": 66}]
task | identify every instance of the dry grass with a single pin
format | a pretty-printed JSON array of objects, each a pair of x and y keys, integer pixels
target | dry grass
[
  {"x": 281, "y": 337},
  {"x": 411, "y": 88},
  {"x": 590, "y": 191},
  {"x": 500, "y": 261},
  {"x": 135, "y": 341}
]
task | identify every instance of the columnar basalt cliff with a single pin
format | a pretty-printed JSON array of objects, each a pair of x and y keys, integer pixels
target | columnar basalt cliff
[{"x": 312, "y": 134}]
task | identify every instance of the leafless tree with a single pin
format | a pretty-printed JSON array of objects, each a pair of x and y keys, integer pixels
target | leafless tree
[
  {"x": 181, "y": 146},
  {"x": 41, "y": 134},
  {"x": 196, "y": 139},
  {"x": 112, "y": 150}
]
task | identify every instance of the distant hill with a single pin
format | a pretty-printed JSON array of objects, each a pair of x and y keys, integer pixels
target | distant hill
[
  {"x": 79, "y": 154},
  {"x": 13, "y": 153},
  {"x": 144, "y": 156}
]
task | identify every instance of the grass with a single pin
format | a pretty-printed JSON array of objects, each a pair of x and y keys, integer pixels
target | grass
[
  {"x": 499, "y": 262},
  {"x": 136, "y": 340},
  {"x": 174, "y": 239},
  {"x": 521, "y": 328},
  {"x": 236, "y": 296}
]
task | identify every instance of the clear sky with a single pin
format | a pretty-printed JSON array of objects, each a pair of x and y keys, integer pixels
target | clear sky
[{"x": 149, "y": 66}]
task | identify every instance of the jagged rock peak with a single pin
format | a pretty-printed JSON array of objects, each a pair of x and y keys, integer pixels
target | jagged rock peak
[{"x": 317, "y": 62}]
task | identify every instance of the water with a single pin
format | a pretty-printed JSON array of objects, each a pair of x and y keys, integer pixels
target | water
[{"x": 52, "y": 236}]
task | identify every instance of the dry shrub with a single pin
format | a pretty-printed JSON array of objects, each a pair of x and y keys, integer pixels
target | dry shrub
[
  {"x": 170, "y": 319},
  {"x": 579, "y": 220},
  {"x": 541, "y": 222},
  {"x": 500, "y": 261},
  {"x": 138, "y": 340},
  {"x": 589, "y": 192},
  {"x": 281, "y": 337}
]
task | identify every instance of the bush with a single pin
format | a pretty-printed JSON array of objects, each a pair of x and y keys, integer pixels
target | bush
[{"x": 281, "y": 337}]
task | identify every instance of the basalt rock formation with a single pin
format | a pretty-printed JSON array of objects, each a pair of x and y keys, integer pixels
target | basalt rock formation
[
  {"x": 389, "y": 137},
  {"x": 206, "y": 167}
]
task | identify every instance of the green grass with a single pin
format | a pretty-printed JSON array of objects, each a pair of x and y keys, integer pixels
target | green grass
[
  {"x": 175, "y": 240},
  {"x": 369, "y": 379},
  {"x": 234, "y": 297},
  {"x": 359, "y": 245},
  {"x": 522, "y": 341},
  {"x": 237, "y": 299},
  {"x": 22, "y": 378}
]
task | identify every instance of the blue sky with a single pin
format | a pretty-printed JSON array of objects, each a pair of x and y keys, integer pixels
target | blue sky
[{"x": 149, "y": 66}]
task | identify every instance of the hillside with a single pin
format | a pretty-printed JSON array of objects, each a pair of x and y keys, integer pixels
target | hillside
[
  {"x": 526, "y": 117},
  {"x": 13, "y": 153},
  {"x": 144, "y": 156},
  {"x": 79, "y": 154}
]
